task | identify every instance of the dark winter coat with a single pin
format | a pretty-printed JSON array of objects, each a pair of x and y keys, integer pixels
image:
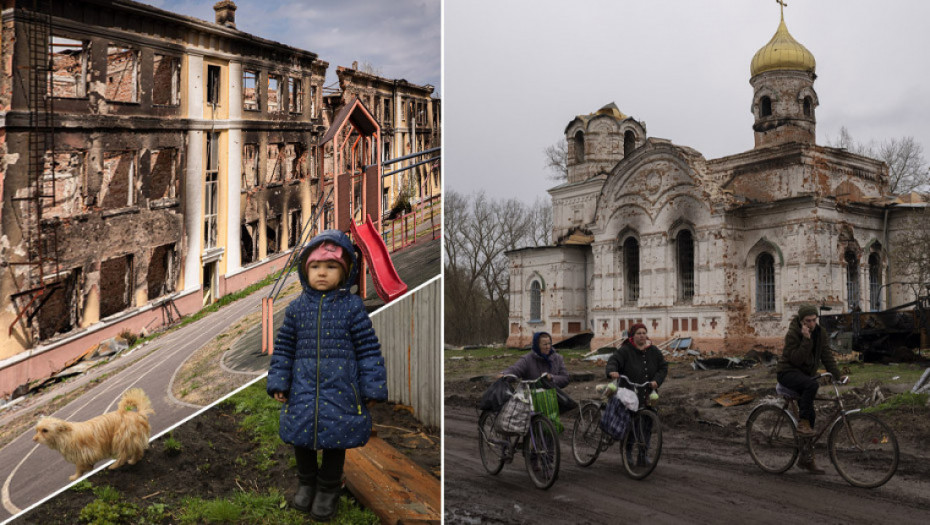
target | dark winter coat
[
  {"x": 328, "y": 362},
  {"x": 534, "y": 364},
  {"x": 638, "y": 366},
  {"x": 805, "y": 354}
]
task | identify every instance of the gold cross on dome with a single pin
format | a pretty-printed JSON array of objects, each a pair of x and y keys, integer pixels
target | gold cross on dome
[{"x": 783, "y": 5}]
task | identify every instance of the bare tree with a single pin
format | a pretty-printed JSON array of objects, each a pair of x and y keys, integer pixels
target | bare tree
[
  {"x": 478, "y": 232},
  {"x": 557, "y": 159},
  {"x": 910, "y": 255},
  {"x": 907, "y": 167}
]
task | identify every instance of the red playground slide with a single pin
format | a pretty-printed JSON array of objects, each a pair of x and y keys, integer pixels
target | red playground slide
[{"x": 387, "y": 282}]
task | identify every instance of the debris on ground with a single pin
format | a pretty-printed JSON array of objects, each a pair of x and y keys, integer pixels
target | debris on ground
[
  {"x": 717, "y": 363},
  {"x": 731, "y": 399},
  {"x": 922, "y": 384}
]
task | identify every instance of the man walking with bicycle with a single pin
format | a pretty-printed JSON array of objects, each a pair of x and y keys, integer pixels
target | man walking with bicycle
[{"x": 805, "y": 349}]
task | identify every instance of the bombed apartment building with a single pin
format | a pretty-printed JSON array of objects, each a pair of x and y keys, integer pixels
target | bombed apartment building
[
  {"x": 409, "y": 117},
  {"x": 722, "y": 251},
  {"x": 149, "y": 164}
]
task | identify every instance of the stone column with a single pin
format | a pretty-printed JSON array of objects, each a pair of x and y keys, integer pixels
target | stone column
[
  {"x": 193, "y": 187},
  {"x": 234, "y": 170}
]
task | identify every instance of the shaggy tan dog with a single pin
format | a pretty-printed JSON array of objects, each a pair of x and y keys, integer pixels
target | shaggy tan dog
[{"x": 122, "y": 435}]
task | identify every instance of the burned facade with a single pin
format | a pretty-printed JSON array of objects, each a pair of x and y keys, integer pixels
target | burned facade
[
  {"x": 145, "y": 157},
  {"x": 721, "y": 250},
  {"x": 409, "y": 117}
]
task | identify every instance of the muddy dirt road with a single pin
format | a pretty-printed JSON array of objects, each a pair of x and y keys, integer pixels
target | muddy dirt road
[{"x": 703, "y": 477}]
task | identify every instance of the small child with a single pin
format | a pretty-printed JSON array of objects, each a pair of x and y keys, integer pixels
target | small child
[{"x": 326, "y": 367}]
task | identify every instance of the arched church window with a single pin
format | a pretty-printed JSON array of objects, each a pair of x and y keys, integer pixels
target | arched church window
[
  {"x": 685, "y": 244},
  {"x": 808, "y": 107},
  {"x": 765, "y": 283},
  {"x": 629, "y": 142},
  {"x": 766, "y": 107},
  {"x": 852, "y": 280},
  {"x": 579, "y": 147},
  {"x": 631, "y": 265},
  {"x": 875, "y": 281},
  {"x": 535, "y": 301}
]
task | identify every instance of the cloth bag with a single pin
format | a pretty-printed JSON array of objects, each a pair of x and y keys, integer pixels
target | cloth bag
[
  {"x": 628, "y": 398},
  {"x": 545, "y": 401},
  {"x": 616, "y": 418},
  {"x": 566, "y": 403},
  {"x": 496, "y": 395},
  {"x": 514, "y": 417}
]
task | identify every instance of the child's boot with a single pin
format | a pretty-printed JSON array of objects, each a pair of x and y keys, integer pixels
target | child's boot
[
  {"x": 304, "y": 497},
  {"x": 326, "y": 500}
]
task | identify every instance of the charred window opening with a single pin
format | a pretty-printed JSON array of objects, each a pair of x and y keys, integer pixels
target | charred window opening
[
  {"x": 249, "y": 165},
  {"x": 272, "y": 234},
  {"x": 684, "y": 242},
  {"x": 273, "y": 162},
  {"x": 631, "y": 267},
  {"x": 765, "y": 283},
  {"x": 119, "y": 173},
  {"x": 313, "y": 102},
  {"x": 629, "y": 142},
  {"x": 291, "y": 164},
  {"x": 68, "y": 60},
  {"x": 163, "y": 179},
  {"x": 213, "y": 85},
  {"x": 274, "y": 87},
  {"x": 388, "y": 119},
  {"x": 852, "y": 280},
  {"x": 248, "y": 243},
  {"x": 115, "y": 285},
  {"x": 808, "y": 107},
  {"x": 64, "y": 173},
  {"x": 765, "y": 107},
  {"x": 296, "y": 100},
  {"x": 122, "y": 74},
  {"x": 211, "y": 191},
  {"x": 875, "y": 281},
  {"x": 61, "y": 312},
  {"x": 294, "y": 230},
  {"x": 167, "y": 80},
  {"x": 250, "y": 90},
  {"x": 161, "y": 275},
  {"x": 535, "y": 302},
  {"x": 579, "y": 147}
]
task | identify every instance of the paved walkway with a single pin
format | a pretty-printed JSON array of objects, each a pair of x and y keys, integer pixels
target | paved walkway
[{"x": 30, "y": 472}]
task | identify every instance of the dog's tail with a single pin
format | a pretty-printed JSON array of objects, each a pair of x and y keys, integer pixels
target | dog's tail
[{"x": 135, "y": 400}]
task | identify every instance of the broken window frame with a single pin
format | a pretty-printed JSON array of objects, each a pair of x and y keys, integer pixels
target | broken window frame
[
  {"x": 684, "y": 249},
  {"x": 212, "y": 84},
  {"x": 765, "y": 283},
  {"x": 130, "y": 184},
  {"x": 387, "y": 118},
  {"x": 535, "y": 302},
  {"x": 52, "y": 177},
  {"x": 80, "y": 83},
  {"x": 631, "y": 271},
  {"x": 852, "y": 280},
  {"x": 246, "y": 181},
  {"x": 253, "y": 104},
  {"x": 211, "y": 191},
  {"x": 295, "y": 101},
  {"x": 294, "y": 227},
  {"x": 313, "y": 102},
  {"x": 172, "y": 191},
  {"x": 875, "y": 281},
  {"x": 134, "y": 80},
  {"x": 276, "y": 173},
  {"x": 274, "y": 107},
  {"x": 175, "y": 94},
  {"x": 578, "y": 142}
]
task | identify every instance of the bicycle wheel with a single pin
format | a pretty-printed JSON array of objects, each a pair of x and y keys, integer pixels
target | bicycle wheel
[
  {"x": 491, "y": 444},
  {"x": 587, "y": 434},
  {"x": 864, "y": 450},
  {"x": 642, "y": 444},
  {"x": 541, "y": 452},
  {"x": 772, "y": 438}
]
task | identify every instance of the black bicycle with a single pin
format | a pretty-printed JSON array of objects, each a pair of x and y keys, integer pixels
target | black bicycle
[
  {"x": 641, "y": 445},
  {"x": 540, "y": 443}
]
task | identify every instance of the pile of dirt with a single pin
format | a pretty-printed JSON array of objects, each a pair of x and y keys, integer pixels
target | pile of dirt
[{"x": 215, "y": 461}]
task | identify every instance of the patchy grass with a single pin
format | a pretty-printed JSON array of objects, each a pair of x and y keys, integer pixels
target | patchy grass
[
  {"x": 172, "y": 446},
  {"x": 261, "y": 420},
  {"x": 895, "y": 373},
  {"x": 908, "y": 401},
  {"x": 109, "y": 507},
  {"x": 490, "y": 360}
]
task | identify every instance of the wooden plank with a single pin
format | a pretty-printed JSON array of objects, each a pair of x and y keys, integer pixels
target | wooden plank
[
  {"x": 395, "y": 488},
  {"x": 733, "y": 398}
]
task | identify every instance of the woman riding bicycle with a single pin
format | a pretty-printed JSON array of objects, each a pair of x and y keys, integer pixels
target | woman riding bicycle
[
  {"x": 542, "y": 360},
  {"x": 640, "y": 361}
]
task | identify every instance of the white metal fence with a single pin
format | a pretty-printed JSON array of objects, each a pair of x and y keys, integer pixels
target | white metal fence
[{"x": 409, "y": 332}]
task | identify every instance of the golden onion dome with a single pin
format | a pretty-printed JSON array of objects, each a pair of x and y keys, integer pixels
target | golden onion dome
[{"x": 782, "y": 52}]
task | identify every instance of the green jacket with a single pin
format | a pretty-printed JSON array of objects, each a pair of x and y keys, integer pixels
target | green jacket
[{"x": 805, "y": 355}]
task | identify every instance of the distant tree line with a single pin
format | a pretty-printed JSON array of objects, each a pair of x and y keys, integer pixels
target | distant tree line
[{"x": 477, "y": 231}]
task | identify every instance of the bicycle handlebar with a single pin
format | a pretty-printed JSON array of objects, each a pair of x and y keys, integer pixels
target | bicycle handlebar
[
  {"x": 524, "y": 380},
  {"x": 627, "y": 379},
  {"x": 842, "y": 381}
]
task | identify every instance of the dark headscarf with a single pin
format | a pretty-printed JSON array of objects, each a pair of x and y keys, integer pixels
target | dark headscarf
[
  {"x": 536, "y": 336},
  {"x": 633, "y": 330}
]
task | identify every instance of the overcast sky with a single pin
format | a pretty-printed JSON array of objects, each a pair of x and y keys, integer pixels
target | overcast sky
[
  {"x": 400, "y": 38},
  {"x": 517, "y": 72}
]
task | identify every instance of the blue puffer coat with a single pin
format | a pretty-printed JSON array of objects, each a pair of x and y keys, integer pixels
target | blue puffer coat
[{"x": 328, "y": 362}]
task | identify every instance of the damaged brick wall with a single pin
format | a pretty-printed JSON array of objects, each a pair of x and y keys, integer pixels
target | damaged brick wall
[
  {"x": 162, "y": 182},
  {"x": 166, "y": 80},
  {"x": 69, "y": 58},
  {"x": 66, "y": 181},
  {"x": 116, "y": 190},
  {"x": 122, "y": 74},
  {"x": 116, "y": 277},
  {"x": 163, "y": 267}
]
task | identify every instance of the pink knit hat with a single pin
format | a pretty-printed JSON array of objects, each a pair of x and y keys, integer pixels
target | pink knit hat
[{"x": 327, "y": 251}]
